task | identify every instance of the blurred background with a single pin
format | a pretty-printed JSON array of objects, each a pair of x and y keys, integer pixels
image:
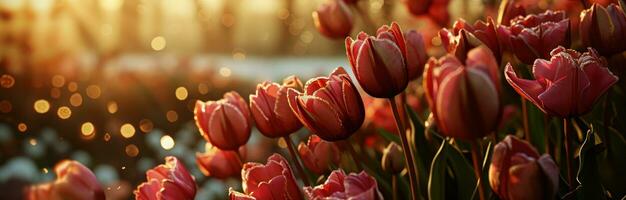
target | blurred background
[{"x": 112, "y": 83}]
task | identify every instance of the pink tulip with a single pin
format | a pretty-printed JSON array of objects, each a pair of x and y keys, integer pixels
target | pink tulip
[
  {"x": 567, "y": 85},
  {"x": 379, "y": 63},
  {"x": 333, "y": 19},
  {"x": 341, "y": 186},
  {"x": 270, "y": 108},
  {"x": 508, "y": 10},
  {"x": 534, "y": 36},
  {"x": 218, "y": 163},
  {"x": 318, "y": 155},
  {"x": 330, "y": 107},
  {"x": 463, "y": 97},
  {"x": 273, "y": 180},
  {"x": 435, "y": 9},
  {"x": 224, "y": 123},
  {"x": 167, "y": 181},
  {"x": 416, "y": 55},
  {"x": 518, "y": 172},
  {"x": 74, "y": 182}
]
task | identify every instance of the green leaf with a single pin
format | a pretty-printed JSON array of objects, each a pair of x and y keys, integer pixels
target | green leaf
[
  {"x": 421, "y": 147},
  {"x": 612, "y": 164},
  {"x": 463, "y": 172},
  {"x": 436, "y": 181},
  {"x": 389, "y": 136},
  {"x": 588, "y": 175}
]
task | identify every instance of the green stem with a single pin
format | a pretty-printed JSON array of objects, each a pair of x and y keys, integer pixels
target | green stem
[
  {"x": 394, "y": 186},
  {"x": 408, "y": 155},
  {"x": 296, "y": 161},
  {"x": 476, "y": 161},
  {"x": 568, "y": 160},
  {"x": 525, "y": 119},
  {"x": 353, "y": 154}
]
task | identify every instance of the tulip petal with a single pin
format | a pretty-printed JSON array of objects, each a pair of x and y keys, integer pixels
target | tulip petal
[{"x": 529, "y": 89}]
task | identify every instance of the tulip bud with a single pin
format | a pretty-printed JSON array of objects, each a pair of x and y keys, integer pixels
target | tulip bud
[
  {"x": 451, "y": 86},
  {"x": 167, "y": 181},
  {"x": 518, "y": 172},
  {"x": 224, "y": 123},
  {"x": 417, "y": 7},
  {"x": 509, "y": 10},
  {"x": 566, "y": 86},
  {"x": 333, "y": 19},
  {"x": 534, "y": 36},
  {"x": 393, "y": 158},
  {"x": 330, "y": 107},
  {"x": 218, "y": 163},
  {"x": 318, "y": 155},
  {"x": 74, "y": 182},
  {"x": 601, "y": 28},
  {"x": 379, "y": 62},
  {"x": 270, "y": 108}
]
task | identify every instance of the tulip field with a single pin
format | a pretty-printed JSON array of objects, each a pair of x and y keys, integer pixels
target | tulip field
[{"x": 319, "y": 100}]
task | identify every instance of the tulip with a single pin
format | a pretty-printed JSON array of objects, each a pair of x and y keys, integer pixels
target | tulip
[
  {"x": 330, "y": 107},
  {"x": 224, "y": 123},
  {"x": 167, "y": 181},
  {"x": 463, "y": 98},
  {"x": 270, "y": 108},
  {"x": 318, "y": 155},
  {"x": 74, "y": 182},
  {"x": 379, "y": 62},
  {"x": 273, "y": 180},
  {"x": 416, "y": 55},
  {"x": 534, "y": 36},
  {"x": 392, "y": 160},
  {"x": 465, "y": 37},
  {"x": 218, "y": 163},
  {"x": 567, "y": 85},
  {"x": 508, "y": 10},
  {"x": 603, "y": 28},
  {"x": 342, "y": 186},
  {"x": 333, "y": 19},
  {"x": 518, "y": 172},
  {"x": 436, "y": 9},
  {"x": 350, "y": 2}
]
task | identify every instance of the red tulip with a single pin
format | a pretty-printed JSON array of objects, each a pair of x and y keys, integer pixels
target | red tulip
[
  {"x": 417, "y": 7},
  {"x": 463, "y": 98},
  {"x": 508, "y": 10},
  {"x": 333, "y": 19},
  {"x": 224, "y": 123},
  {"x": 350, "y": 2},
  {"x": 330, "y": 107},
  {"x": 273, "y": 180},
  {"x": 218, "y": 163},
  {"x": 318, "y": 155},
  {"x": 74, "y": 182},
  {"x": 379, "y": 63},
  {"x": 270, "y": 108},
  {"x": 567, "y": 85},
  {"x": 416, "y": 55},
  {"x": 341, "y": 186},
  {"x": 518, "y": 172},
  {"x": 603, "y": 28},
  {"x": 378, "y": 111},
  {"x": 167, "y": 181},
  {"x": 465, "y": 37},
  {"x": 534, "y": 36}
]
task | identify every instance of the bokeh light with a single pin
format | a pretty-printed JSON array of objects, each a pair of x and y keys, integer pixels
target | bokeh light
[
  {"x": 5, "y": 106},
  {"x": 93, "y": 91},
  {"x": 131, "y": 150},
  {"x": 87, "y": 129},
  {"x": 41, "y": 106},
  {"x": 7, "y": 81},
  {"x": 55, "y": 93},
  {"x": 203, "y": 88},
  {"x": 72, "y": 86},
  {"x": 167, "y": 142},
  {"x": 145, "y": 125},
  {"x": 64, "y": 112},
  {"x": 32, "y": 141},
  {"x": 58, "y": 81},
  {"x": 158, "y": 43},
  {"x": 22, "y": 127},
  {"x": 127, "y": 130},
  {"x": 112, "y": 107},
  {"x": 171, "y": 116},
  {"x": 225, "y": 72},
  {"x": 76, "y": 99},
  {"x": 181, "y": 93}
]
